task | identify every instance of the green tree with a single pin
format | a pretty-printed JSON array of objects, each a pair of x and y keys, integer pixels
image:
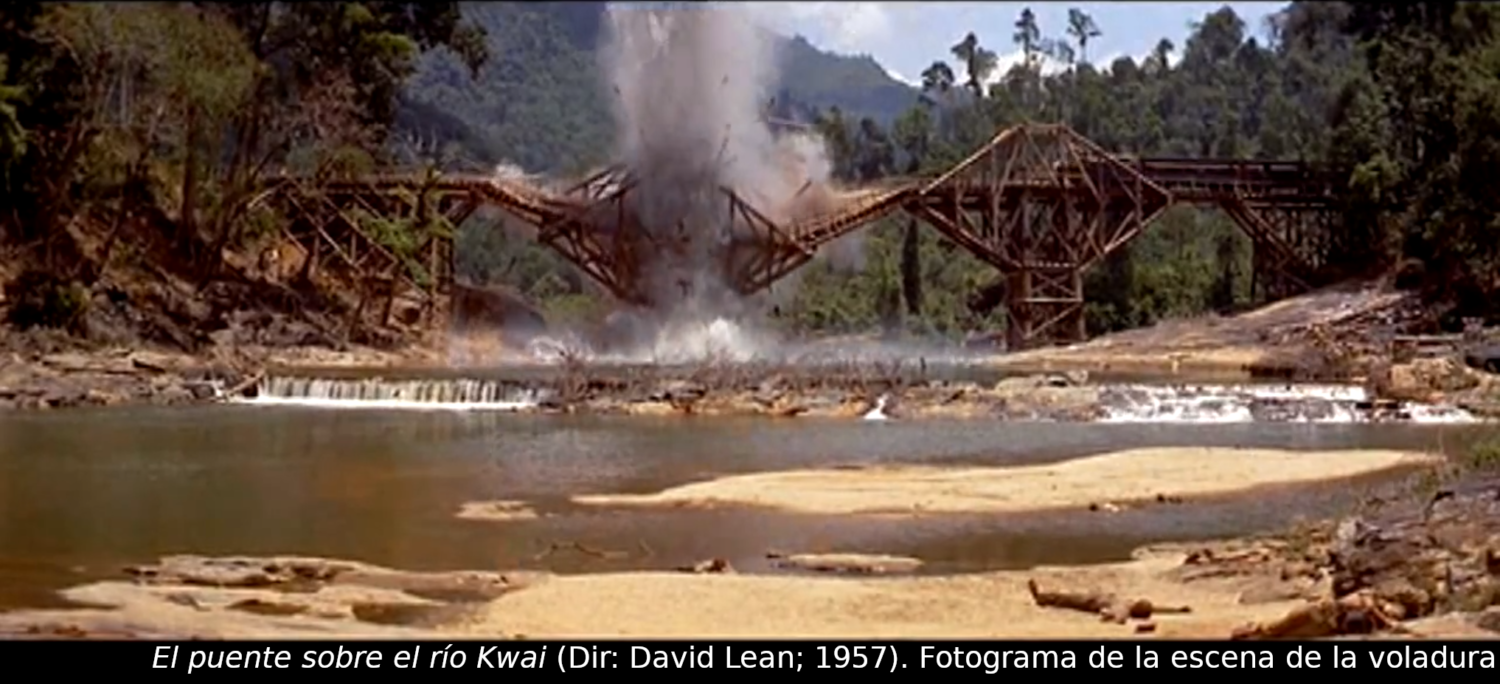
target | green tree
[
  {"x": 1082, "y": 29},
  {"x": 979, "y": 63}
]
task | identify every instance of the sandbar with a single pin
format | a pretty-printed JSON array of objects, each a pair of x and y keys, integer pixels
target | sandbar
[{"x": 1118, "y": 477}]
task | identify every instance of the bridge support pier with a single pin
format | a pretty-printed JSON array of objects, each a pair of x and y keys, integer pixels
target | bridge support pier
[
  {"x": 339, "y": 226},
  {"x": 1044, "y": 305},
  {"x": 1041, "y": 204},
  {"x": 1290, "y": 241}
]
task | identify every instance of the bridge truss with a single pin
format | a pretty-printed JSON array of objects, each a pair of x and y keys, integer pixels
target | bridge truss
[{"x": 1038, "y": 202}]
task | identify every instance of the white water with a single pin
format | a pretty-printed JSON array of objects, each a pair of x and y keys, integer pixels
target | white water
[
  {"x": 1329, "y": 404},
  {"x": 680, "y": 342},
  {"x": 375, "y": 393},
  {"x": 1335, "y": 404}
]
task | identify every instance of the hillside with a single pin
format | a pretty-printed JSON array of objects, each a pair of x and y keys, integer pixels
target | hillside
[
  {"x": 539, "y": 102},
  {"x": 142, "y": 220}
]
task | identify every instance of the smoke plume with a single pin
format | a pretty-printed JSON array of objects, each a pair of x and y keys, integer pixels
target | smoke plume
[{"x": 690, "y": 88}]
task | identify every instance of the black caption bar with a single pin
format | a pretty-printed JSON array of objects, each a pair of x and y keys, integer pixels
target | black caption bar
[{"x": 584, "y": 657}]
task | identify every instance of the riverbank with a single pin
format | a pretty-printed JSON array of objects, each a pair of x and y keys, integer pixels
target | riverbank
[
  {"x": 65, "y": 375},
  {"x": 1422, "y": 563},
  {"x": 1333, "y": 336},
  {"x": 1424, "y": 390}
]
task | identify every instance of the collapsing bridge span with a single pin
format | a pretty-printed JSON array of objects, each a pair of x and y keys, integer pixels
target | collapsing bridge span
[{"x": 1039, "y": 202}]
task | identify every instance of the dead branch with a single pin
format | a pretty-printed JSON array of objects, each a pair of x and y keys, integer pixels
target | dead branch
[
  {"x": 1107, "y": 606},
  {"x": 244, "y": 385},
  {"x": 1353, "y": 614}
]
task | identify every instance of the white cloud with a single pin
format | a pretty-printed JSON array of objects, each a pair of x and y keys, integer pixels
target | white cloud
[
  {"x": 846, "y": 27},
  {"x": 915, "y": 82}
]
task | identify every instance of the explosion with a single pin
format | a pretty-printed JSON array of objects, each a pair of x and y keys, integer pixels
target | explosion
[{"x": 690, "y": 87}]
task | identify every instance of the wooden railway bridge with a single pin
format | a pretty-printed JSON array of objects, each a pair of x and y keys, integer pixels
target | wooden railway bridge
[{"x": 1039, "y": 202}]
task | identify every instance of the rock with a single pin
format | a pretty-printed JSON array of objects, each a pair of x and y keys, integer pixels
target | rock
[
  {"x": 495, "y": 309},
  {"x": 649, "y": 408},
  {"x": 712, "y": 566},
  {"x": 679, "y": 391},
  {"x": 1399, "y": 599},
  {"x": 173, "y": 395},
  {"x": 99, "y": 397},
  {"x": 64, "y": 398},
  {"x": 72, "y": 362},
  {"x": 155, "y": 362},
  {"x": 1486, "y": 358},
  {"x": 203, "y": 391},
  {"x": 1424, "y": 380},
  {"x": 1489, "y": 620},
  {"x": 1271, "y": 592}
]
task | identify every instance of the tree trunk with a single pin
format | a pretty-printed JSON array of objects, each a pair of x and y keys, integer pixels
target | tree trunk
[{"x": 911, "y": 269}]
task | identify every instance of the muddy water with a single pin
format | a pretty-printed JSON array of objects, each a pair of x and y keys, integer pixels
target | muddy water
[{"x": 83, "y": 493}]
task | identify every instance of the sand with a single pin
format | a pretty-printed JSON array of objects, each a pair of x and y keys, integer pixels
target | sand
[
  {"x": 666, "y": 605},
  {"x": 688, "y": 605},
  {"x": 1120, "y": 477},
  {"x": 732, "y": 606},
  {"x": 496, "y": 511}
]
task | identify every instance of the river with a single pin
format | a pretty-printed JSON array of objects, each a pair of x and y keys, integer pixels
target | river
[{"x": 84, "y": 493}]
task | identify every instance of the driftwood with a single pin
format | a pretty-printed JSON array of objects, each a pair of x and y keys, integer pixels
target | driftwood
[
  {"x": 1107, "y": 606},
  {"x": 245, "y": 385},
  {"x": 1353, "y": 614}
]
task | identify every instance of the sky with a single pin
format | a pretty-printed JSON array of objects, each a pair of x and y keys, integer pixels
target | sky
[{"x": 906, "y": 37}]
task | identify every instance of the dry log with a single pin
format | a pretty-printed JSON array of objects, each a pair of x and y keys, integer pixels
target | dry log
[
  {"x": 1353, "y": 614},
  {"x": 1107, "y": 606}
]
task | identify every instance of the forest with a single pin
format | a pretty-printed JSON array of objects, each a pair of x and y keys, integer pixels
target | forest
[{"x": 136, "y": 133}]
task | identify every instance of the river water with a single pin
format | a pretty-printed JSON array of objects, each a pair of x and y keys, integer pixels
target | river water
[{"x": 83, "y": 493}]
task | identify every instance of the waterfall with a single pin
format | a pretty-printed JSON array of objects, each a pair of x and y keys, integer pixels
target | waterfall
[{"x": 454, "y": 394}]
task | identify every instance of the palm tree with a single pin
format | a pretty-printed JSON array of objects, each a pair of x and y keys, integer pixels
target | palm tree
[
  {"x": 1028, "y": 36},
  {"x": 1082, "y": 28},
  {"x": 938, "y": 78},
  {"x": 978, "y": 62},
  {"x": 1161, "y": 57}
]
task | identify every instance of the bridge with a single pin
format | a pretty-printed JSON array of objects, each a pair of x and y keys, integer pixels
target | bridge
[{"x": 1039, "y": 202}]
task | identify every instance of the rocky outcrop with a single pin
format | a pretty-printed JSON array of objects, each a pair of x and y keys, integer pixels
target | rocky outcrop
[
  {"x": 73, "y": 379},
  {"x": 1404, "y": 559}
]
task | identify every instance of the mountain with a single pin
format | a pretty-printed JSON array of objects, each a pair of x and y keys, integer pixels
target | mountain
[
  {"x": 539, "y": 102},
  {"x": 857, "y": 85}
]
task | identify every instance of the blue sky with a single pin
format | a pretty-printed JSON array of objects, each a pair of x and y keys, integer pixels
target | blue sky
[{"x": 906, "y": 37}]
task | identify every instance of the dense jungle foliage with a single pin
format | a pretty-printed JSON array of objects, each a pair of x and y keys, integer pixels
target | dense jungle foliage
[{"x": 169, "y": 115}]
